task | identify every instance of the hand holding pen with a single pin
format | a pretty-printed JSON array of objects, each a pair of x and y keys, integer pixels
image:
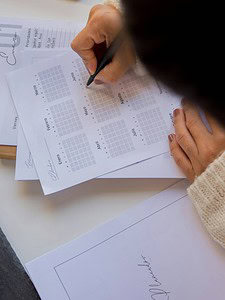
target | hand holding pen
[{"x": 104, "y": 27}]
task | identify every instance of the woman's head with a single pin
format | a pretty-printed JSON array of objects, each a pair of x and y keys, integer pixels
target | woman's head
[{"x": 180, "y": 43}]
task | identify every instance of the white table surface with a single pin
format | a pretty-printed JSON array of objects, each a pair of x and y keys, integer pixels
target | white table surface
[{"x": 35, "y": 224}]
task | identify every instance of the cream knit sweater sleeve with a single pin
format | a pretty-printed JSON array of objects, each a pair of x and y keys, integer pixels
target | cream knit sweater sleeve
[
  {"x": 115, "y": 3},
  {"x": 208, "y": 190},
  {"x": 208, "y": 195}
]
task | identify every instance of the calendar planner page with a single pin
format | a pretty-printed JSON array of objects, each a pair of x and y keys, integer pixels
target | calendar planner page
[
  {"x": 161, "y": 166},
  {"x": 15, "y": 36},
  {"x": 77, "y": 133}
]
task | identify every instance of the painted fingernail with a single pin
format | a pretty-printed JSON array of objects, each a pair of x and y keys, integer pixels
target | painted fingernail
[
  {"x": 170, "y": 137},
  {"x": 100, "y": 78},
  {"x": 176, "y": 112},
  {"x": 98, "y": 82}
]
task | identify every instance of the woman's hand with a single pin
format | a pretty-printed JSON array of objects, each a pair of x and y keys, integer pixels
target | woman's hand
[
  {"x": 193, "y": 146},
  {"x": 104, "y": 23}
]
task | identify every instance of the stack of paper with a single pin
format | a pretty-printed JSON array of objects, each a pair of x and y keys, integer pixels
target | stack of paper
[
  {"x": 70, "y": 133},
  {"x": 150, "y": 252},
  {"x": 16, "y": 36}
]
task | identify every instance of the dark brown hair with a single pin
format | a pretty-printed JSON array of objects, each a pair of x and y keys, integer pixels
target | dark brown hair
[{"x": 181, "y": 43}]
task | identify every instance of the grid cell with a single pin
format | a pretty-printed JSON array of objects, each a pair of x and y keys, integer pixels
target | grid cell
[
  {"x": 66, "y": 117},
  {"x": 78, "y": 152},
  {"x": 117, "y": 138},
  {"x": 152, "y": 125},
  {"x": 54, "y": 83}
]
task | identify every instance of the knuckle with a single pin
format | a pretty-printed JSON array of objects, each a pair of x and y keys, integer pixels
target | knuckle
[
  {"x": 184, "y": 142},
  {"x": 95, "y": 8},
  {"x": 173, "y": 149},
  {"x": 100, "y": 12},
  {"x": 181, "y": 138},
  {"x": 209, "y": 154},
  {"x": 93, "y": 25},
  {"x": 178, "y": 160},
  {"x": 220, "y": 139},
  {"x": 108, "y": 18},
  {"x": 74, "y": 45},
  {"x": 191, "y": 123},
  {"x": 187, "y": 168},
  {"x": 189, "y": 150},
  {"x": 190, "y": 174},
  {"x": 189, "y": 171}
]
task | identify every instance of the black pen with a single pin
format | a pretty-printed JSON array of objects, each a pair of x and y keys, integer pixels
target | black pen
[{"x": 107, "y": 57}]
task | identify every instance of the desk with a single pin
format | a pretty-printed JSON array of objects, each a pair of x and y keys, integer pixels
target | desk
[{"x": 35, "y": 224}]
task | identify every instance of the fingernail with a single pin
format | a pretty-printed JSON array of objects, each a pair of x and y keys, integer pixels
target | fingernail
[
  {"x": 170, "y": 137},
  {"x": 96, "y": 81},
  {"x": 100, "y": 78},
  {"x": 176, "y": 112}
]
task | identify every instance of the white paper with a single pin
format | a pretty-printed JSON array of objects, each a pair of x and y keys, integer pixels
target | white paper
[
  {"x": 76, "y": 133},
  {"x": 157, "y": 250},
  {"x": 15, "y": 36},
  {"x": 10, "y": 46},
  {"x": 161, "y": 166},
  {"x": 25, "y": 168}
]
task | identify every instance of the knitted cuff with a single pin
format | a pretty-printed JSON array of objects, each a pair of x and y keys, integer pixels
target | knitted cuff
[
  {"x": 115, "y": 3},
  {"x": 208, "y": 195}
]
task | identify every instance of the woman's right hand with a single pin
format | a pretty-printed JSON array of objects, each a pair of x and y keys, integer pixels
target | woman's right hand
[{"x": 104, "y": 23}]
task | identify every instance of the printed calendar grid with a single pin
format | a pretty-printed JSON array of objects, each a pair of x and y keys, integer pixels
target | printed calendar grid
[
  {"x": 152, "y": 125},
  {"x": 66, "y": 117},
  {"x": 104, "y": 105},
  {"x": 103, "y": 102},
  {"x": 138, "y": 95},
  {"x": 117, "y": 138},
  {"x": 78, "y": 152},
  {"x": 82, "y": 71},
  {"x": 54, "y": 83}
]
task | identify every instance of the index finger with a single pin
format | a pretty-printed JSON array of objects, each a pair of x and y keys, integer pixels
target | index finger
[
  {"x": 193, "y": 121},
  {"x": 83, "y": 45},
  {"x": 183, "y": 136}
]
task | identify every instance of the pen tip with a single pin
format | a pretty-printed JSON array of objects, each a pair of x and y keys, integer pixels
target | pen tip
[{"x": 90, "y": 80}]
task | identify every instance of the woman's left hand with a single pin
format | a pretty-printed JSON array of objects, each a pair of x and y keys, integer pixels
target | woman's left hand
[{"x": 193, "y": 146}]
